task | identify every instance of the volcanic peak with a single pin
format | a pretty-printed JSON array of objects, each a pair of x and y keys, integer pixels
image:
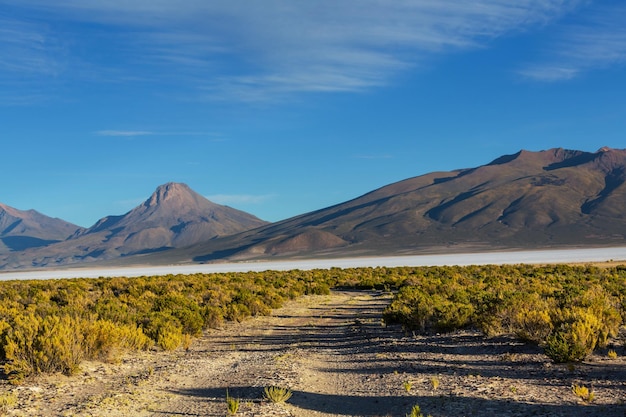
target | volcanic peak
[{"x": 169, "y": 191}]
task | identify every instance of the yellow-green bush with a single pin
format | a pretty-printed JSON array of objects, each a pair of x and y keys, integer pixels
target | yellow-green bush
[
  {"x": 533, "y": 325},
  {"x": 49, "y": 326},
  {"x": 105, "y": 340},
  {"x": 236, "y": 312},
  {"x": 432, "y": 306},
  {"x": 49, "y": 344},
  {"x": 528, "y": 316},
  {"x": 568, "y": 310},
  {"x": 576, "y": 336},
  {"x": 213, "y": 317},
  {"x": 606, "y": 308},
  {"x": 164, "y": 329}
]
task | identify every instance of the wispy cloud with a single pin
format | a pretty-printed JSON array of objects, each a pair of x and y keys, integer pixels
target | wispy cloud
[
  {"x": 22, "y": 98},
  {"x": 31, "y": 60},
  {"x": 260, "y": 50},
  {"x": 28, "y": 48},
  {"x": 215, "y": 137},
  {"x": 597, "y": 41},
  {"x": 236, "y": 199},
  {"x": 549, "y": 72},
  {"x": 124, "y": 133}
]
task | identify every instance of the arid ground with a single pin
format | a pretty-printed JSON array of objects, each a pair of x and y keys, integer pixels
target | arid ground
[{"x": 339, "y": 359}]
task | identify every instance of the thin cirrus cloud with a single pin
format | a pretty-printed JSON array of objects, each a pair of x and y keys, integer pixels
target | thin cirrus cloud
[
  {"x": 30, "y": 60},
  {"x": 214, "y": 137},
  {"x": 124, "y": 133},
  {"x": 257, "y": 50},
  {"x": 28, "y": 48},
  {"x": 597, "y": 41}
]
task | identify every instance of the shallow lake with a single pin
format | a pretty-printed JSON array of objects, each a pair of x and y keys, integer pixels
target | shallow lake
[{"x": 483, "y": 258}]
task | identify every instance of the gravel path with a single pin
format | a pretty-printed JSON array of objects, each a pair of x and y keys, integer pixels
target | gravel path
[{"x": 339, "y": 360}]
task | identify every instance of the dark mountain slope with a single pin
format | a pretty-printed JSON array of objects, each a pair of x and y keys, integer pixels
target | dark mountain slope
[
  {"x": 552, "y": 198},
  {"x": 20, "y": 230},
  {"x": 530, "y": 199}
]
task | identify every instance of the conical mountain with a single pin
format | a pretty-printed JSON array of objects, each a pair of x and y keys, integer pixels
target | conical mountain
[
  {"x": 552, "y": 198},
  {"x": 173, "y": 216},
  {"x": 23, "y": 229}
]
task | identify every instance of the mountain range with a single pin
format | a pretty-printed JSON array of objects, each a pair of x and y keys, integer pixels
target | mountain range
[
  {"x": 173, "y": 216},
  {"x": 551, "y": 198}
]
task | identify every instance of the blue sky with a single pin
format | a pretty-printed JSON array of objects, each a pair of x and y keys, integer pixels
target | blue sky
[{"x": 283, "y": 107}]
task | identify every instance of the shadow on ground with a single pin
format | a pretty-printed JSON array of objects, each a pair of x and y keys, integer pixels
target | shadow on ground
[
  {"x": 438, "y": 406},
  {"x": 352, "y": 337}
]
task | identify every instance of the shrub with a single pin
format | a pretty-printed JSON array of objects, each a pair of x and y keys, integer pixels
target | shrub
[
  {"x": 5, "y": 328},
  {"x": 213, "y": 317},
  {"x": 165, "y": 330},
  {"x": 407, "y": 386},
  {"x": 533, "y": 325},
  {"x": 575, "y": 339},
  {"x": 434, "y": 382},
  {"x": 413, "y": 308},
  {"x": 416, "y": 412},
  {"x": 236, "y": 312},
  {"x": 568, "y": 310},
  {"x": 598, "y": 302},
  {"x": 257, "y": 307},
  {"x": 184, "y": 309},
  {"x": 105, "y": 340},
  {"x": 48, "y": 326},
  {"x": 232, "y": 404},
  {"x": 450, "y": 315},
  {"x": 35, "y": 345},
  {"x": 277, "y": 394},
  {"x": 583, "y": 393},
  {"x": 8, "y": 400},
  {"x": 438, "y": 308}
]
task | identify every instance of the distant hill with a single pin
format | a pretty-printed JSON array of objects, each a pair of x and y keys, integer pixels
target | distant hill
[
  {"x": 552, "y": 198},
  {"x": 21, "y": 230},
  {"x": 173, "y": 216},
  {"x": 547, "y": 199}
]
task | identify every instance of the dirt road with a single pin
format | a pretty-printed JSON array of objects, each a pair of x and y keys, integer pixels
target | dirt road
[{"x": 336, "y": 356}]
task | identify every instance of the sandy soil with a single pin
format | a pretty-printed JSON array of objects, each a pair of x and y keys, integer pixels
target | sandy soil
[{"x": 339, "y": 360}]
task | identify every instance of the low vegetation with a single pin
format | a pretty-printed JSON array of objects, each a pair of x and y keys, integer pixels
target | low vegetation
[
  {"x": 434, "y": 383},
  {"x": 416, "y": 412},
  {"x": 277, "y": 395},
  {"x": 232, "y": 404},
  {"x": 408, "y": 385},
  {"x": 567, "y": 310},
  {"x": 583, "y": 393},
  {"x": 8, "y": 400},
  {"x": 51, "y": 326}
]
